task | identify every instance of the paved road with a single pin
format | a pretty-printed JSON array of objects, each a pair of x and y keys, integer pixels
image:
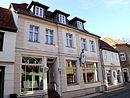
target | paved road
[{"x": 118, "y": 94}]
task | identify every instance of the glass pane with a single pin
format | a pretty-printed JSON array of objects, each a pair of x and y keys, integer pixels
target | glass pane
[
  {"x": 41, "y": 12},
  {"x": 32, "y": 78},
  {"x": 71, "y": 76},
  {"x": 36, "y": 29},
  {"x": 51, "y": 39},
  {"x": 36, "y": 37},
  {"x": 31, "y": 36},
  {"x": 31, "y": 28},
  {"x": 47, "y": 39}
]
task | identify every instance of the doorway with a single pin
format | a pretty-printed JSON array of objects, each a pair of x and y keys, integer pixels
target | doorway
[
  {"x": 2, "y": 69},
  {"x": 51, "y": 73},
  {"x": 126, "y": 75}
]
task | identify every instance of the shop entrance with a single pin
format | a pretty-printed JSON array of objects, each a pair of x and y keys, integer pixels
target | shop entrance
[
  {"x": 125, "y": 73},
  {"x": 2, "y": 69},
  {"x": 52, "y": 78}
]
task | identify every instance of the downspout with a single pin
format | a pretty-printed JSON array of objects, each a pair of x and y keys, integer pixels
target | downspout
[{"x": 59, "y": 57}]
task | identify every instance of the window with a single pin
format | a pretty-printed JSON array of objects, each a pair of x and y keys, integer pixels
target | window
[
  {"x": 90, "y": 72},
  {"x": 109, "y": 80},
  {"x": 62, "y": 19},
  {"x": 49, "y": 36},
  {"x": 122, "y": 56},
  {"x": 1, "y": 40},
  {"x": 31, "y": 74},
  {"x": 105, "y": 55},
  {"x": 33, "y": 34},
  {"x": 118, "y": 76},
  {"x": 69, "y": 39},
  {"x": 92, "y": 47},
  {"x": 80, "y": 25},
  {"x": 83, "y": 44},
  {"x": 38, "y": 11},
  {"x": 71, "y": 72}
]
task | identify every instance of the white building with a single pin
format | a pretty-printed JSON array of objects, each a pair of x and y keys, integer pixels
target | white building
[
  {"x": 7, "y": 52},
  {"x": 111, "y": 66},
  {"x": 48, "y": 54}
]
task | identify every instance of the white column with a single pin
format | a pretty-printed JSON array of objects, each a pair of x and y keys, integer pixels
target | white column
[{"x": 45, "y": 87}]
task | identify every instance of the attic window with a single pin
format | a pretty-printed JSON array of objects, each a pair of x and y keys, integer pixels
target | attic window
[
  {"x": 38, "y": 11},
  {"x": 62, "y": 19},
  {"x": 79, "y": 25}
]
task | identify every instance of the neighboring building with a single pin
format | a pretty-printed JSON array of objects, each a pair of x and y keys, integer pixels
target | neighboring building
[
  {"x": 124, "y": 51},
  {"x": 111, "y": 66},
  {"x": 7, "y": 52},
  {"x": 48, "y": 52}
]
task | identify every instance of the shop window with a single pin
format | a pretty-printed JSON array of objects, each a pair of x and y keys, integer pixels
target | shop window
[
  {"x": 90, "y": 72},
  {"x": 71, "y": 72},
  {"x": 31, "y": 74},
  {"x": 109, "y": 77},
  {"x": 118, "y": 76}
]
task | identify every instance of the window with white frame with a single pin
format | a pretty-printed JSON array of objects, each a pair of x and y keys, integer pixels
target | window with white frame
[
  {"x": 90, "y": 72},
  {"x": 69, "y": 40},
  {"x": 104, "y": 55},
  {"x": 31, "y": 74},
  {"x": 80, "y": 25},
  {"x": 83, "y": 44},
  {"x": 109, "y": 78},
  {"x": 62, "y": 19},
  {"x": 38, "y": 11},
  {"x": 92, "y": 45},
  {"x": 71, "y": 72},
  {"x": 49, "y": 36},
  {"x": 122, "y": 56},
  {"x": 33, "y": 33},
  {"x": 118, "y": 76}
]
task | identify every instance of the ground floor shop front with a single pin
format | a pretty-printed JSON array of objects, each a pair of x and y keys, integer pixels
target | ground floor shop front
[
  {"x": 39, "y": 75},
  {"x": 113, "y": 77}
]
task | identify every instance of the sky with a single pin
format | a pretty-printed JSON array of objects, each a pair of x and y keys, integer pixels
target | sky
[{"x": 106, "y": 18}]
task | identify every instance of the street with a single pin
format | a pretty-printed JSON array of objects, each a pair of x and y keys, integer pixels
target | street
[{"x": 118, "y": 94}]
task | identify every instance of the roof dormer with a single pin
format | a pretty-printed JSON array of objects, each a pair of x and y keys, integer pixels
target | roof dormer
[
  {"x": 60, "y": 16},
  {"x": 38, "y": 9},
  {"x": 78, "y": 23}
]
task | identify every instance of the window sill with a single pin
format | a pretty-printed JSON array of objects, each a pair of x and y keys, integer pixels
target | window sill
[
  {"x": 50, "y": 44},
  {"x": 91, "y": 82},
  {"x": 73, "y": 84},
  {"x": 92, "y": 51},
  {"x": 69, "y": 47},
  {"x": 34, "y": 41}
]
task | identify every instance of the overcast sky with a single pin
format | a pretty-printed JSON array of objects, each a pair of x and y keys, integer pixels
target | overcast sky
[{"x": 106, "y": 18}]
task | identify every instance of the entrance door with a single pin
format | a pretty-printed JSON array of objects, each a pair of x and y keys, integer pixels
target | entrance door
[
  {"x": 125, "y": 77},
  {"x": 125, "y": 72},
  {"x": 2, "y": 68}
]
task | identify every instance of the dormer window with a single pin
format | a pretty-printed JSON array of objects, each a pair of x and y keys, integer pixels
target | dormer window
[
  {"x": 62, "y": 19},
  {"x": 38, "y": 11},
  {"x": 79, "y": 25}
]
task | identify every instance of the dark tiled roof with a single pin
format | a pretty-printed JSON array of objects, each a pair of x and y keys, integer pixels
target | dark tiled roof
[
  {"x": 60, "y": 12},
  {"x": 19, "y": 6},
  {"x": 76, "y": 18},
  {"x": 38, "y": 4},
  {"x": 105, "y": 46},
  {"x": 6, "y": 20},
  {"x": 22, "y": 9}
]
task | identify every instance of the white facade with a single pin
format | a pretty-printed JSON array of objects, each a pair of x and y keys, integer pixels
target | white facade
[
  {"x": 57, "y": 51},
  {"x": 112, "y": 69},
  {"x": 7, "y": 59}
]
